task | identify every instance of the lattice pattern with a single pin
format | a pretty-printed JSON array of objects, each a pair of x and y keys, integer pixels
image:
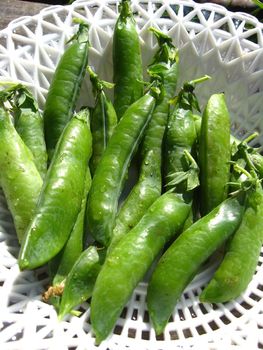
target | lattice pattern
[{"x": 227, "y": 46}]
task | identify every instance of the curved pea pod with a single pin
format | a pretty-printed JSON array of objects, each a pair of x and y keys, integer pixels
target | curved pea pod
[
  {"x": 127, "y": 61},
  {"x": 81, "y": 280},
  {"x": 214, "y": 153},
  {"x": 182, "y": 260},
  {"x": 66, "y": 258},
  {"x": 19, "y": 177},
  {"x": 149, "y": 185},
  {"x": 110, "y": 174},
  {"x": 61, "y": 196},
  {"x": 103, "y": 119},
  {"x": 241, "y": 257},
  {"x": 64, "y": 88},
  {"x": 130, "y": 259}
]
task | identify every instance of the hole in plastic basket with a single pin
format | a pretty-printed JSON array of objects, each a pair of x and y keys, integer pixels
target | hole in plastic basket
[
  {"x": 118, "y": 329},
  {"x": 187, "y": 333},
  {"x": 206, "y": 14},
  {"x": 235, "y": 313},
  {"x": 146, "y": 317},
  {"x": 260, "y": 345},
  {"x": 187, "y": 10},
  {"x": 131, "y": 333},
  {"x": 246, "y": 305},
  {"x": 173, "y": 335},
  {"x": 134, "y": 315},
  {"x": 236, "y": 22},
  {"x": 253, "y": 38},
  {"x": 203, "y": 309},
  {"x": 200, "y": 330},
  {"x": 192, "y": 312},
  {"x": 254, "y": 297},
  {"x": 195, "y": 19},
  {"x": 181, "y": 315},
  {"x": 175, "y": 8},
  {"x": 159, "y": 337},
  {"x": 213, "y": 325},
  {"x": 145, "y": 335},
  {"x": 225, "y": 27},
  {"x": 124, "y": 312},
  {"x": 224, "y": 319}
]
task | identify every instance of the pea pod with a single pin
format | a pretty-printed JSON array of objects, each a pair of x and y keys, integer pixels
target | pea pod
[
  {"x": 28, "y": 122},
  {"x": 242, "y": 252},
  {"x": 180, "y": 139},
  {"x": 149, "y": 185},
  {"x": 64, "y": 88},
  {"x": 127, "y": 61},
  {"x": 182, "y": 260},
  {"x": 60, "y": 198},
  {"x": 66, "y": 258},
  {"x": 109, "y": 177},
  {"x": 130, "y": 258},
  {"x": 81, "y": 280},
  {"x": 103, "y": 119},
  {"x": 214, "y": 153},
  {"x": 17, "y": 175}
]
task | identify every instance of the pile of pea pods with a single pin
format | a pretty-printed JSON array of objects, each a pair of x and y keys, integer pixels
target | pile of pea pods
[{"x": 64, "y": 174}]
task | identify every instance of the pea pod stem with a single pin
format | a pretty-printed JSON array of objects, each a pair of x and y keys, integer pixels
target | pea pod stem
[{"x": 103, "y": 119}]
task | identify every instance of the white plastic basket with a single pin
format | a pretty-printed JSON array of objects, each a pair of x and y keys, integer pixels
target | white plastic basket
[{"x": 227, "y": 46}]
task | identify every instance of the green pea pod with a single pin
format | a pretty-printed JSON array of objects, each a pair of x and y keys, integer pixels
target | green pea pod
[
  {"x": 64, "y": 88},
  {"x": 63, "y": 263},
  {"x": 182, "y": 260},
  {"x": 255, "y": 156},
  {"x": 149, "y": 185},
  {"x": 127, "y": 61},
  {"x": 131, "y": 258},
  {"x": 80, "y": 281},
  {"x": 214, "y": 153},
  {"x": 28, "y": 121},
  {"x": 19, "y": 177},
  {"x": 103, "y": 119},
  {"x": 180, "y": 137},
  {"x": 29, "y": 125},
  {"x": 110, "y": 175},
  {"x": 242, "y": 252},
  {"x": 61, "y": 196},
  {"x": 180, "y": 172}
]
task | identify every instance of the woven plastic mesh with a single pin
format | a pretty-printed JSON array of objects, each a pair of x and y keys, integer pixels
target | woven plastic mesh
[{"x": 228, "y": 47}]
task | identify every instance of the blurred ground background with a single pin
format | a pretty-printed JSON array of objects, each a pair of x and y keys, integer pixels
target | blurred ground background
[{"x": 247, "y": 6}]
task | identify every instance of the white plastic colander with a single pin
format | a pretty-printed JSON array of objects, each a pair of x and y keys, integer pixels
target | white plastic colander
[{"x": 228, "y": 47}]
